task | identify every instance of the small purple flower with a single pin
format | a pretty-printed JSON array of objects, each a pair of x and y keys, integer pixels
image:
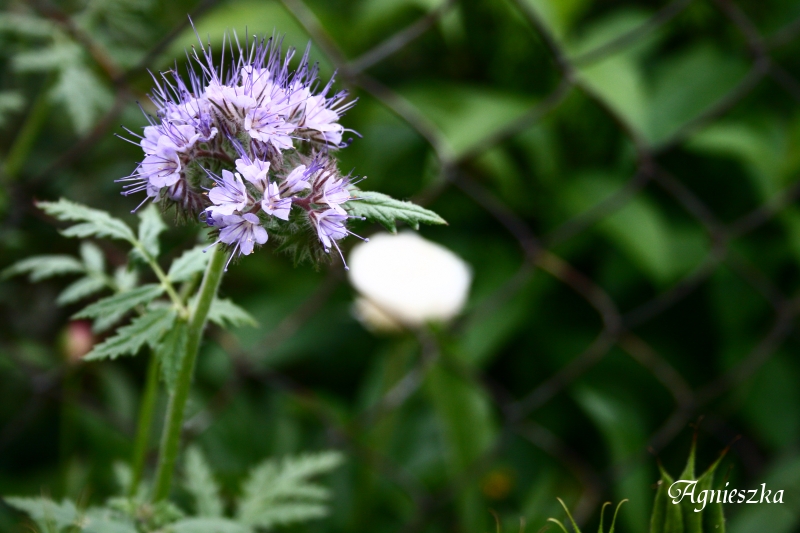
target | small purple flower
[
  {"x": 231, "y": 104},
  {"x": 319, "y": 117},
  {"x": 335, "y": 193},
  {"x": 253, "y": 171},
  {"x": 162, "y": 168},
  {"x": 229, "y": 195},
  {"x": 242, "y": 232},
  {"x": 149, "y": 143},
  {"x": 274, "y": 205},
  {"x": 330, "y": 227},
  {"x": 267, "y": 126},
  {"x": 297, "y": 180},
  {"x": 258, "y": 84}
]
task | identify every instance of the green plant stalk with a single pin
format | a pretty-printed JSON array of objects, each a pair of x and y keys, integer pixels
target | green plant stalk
[
  {"x": 170, "y": 438},
  {"x": 19, "y": 151},
  {"x": 146, "y": 414}
]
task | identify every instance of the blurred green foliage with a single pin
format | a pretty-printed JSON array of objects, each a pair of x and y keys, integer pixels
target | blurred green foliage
[{"x": 621, "y": 175}]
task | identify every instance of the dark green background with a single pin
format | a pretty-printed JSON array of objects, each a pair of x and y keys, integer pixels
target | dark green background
[{"x": 621, "y": 177}]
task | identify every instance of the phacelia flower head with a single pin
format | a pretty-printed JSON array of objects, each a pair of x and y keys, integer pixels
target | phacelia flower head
[{"x": 246, "y": 146}]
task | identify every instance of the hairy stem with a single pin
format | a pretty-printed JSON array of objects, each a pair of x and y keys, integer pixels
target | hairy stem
[
  {"x": 170, "y": 438},
  {"x": 146, "y": 413}
]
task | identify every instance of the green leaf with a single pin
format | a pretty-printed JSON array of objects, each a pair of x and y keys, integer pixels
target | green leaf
[
  {"x": 467, "y": 426},
  {"x": 125, "y": 278},
  {"x": 122, "y": 302},
  {"x": 386, "y": 210},
  {"x": 93, "y": 257},
  {"x": 94, "y": 223},
  {"x": 207, "y": 525},
  {"x": 191, "y": 262},
  {"x": 200, "y": 483},
  {"x": 620, "y": 424},
  {"x": 150, "y": 227},
  {"x": 83, "y": 94},
  {"x": 81, "y": 289},
  {"x": 280, "y": 493},
  {"x": 98, "y": 520},
  {"x": 687, "y": 85},
  {"x": 48, "y": 515},
  {"x": 559, "y": 15},
  {"x": 169, "y": 352},
  {"x": 145, "y": 329},
  {"x": 28, "y": 25},
  {"x": 638, "y": 229},
  {"x": 41, "y": 267},
  {"x": 466, "y": 115},
  {"x": 227, "y": 314}
]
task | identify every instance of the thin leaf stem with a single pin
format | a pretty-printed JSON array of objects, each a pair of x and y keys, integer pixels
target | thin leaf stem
[
  {"x": 163, "y": 278},
  {"x": 170, "y": 438},
  {"x": 146, "y": 414}
]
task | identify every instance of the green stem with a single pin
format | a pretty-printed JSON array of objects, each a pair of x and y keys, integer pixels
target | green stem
[
  {"x": 19, "y": 151},
  {"x": 170, "y": 438},
  {"x": 146, "y": 413},
  {"x": 162, "y": 277}
]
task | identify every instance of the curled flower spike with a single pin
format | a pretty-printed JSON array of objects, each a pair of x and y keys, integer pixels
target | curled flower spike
[{"x": 242, "y": 143}]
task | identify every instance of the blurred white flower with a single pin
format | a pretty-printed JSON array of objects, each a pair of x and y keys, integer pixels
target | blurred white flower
[{"x": 407, "y": 281}]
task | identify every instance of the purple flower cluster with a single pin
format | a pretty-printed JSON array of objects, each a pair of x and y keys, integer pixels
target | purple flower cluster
[{"x": 240, "y": 147}]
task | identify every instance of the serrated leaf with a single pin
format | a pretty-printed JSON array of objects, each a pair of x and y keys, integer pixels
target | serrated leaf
[
  {"x": 94, "y": 223},
  {"x": 41, "y": 267},
  {"x": 47, "y": 514},
  {"x": 150, "y": 227},
  {"x": 122, "y": 302},
  {"x": 22, "y": 24},
  {"x": 207, "y": 525},
  {"x": 280, "y": 492},
  {"x": 84, "y": 95},
  {"x": 97, "y": 520},
  {"x": 169, "y": 352},
  {"x": 227, "y": 314},
  {"x": 105, "y": 322},
  {"x": 145, "y": 329},
  {"x": 200, "y": 483},
  {"x": 125, "y": 278},
  {"x": 191, "y": 262},
  {"x": 387, "y": 211},
  {"x": 51, "y": 57},
  {"x": 93, "y": 257},
  {"x": 289, "y": 513},
  {"x": 81, "y": 289}
]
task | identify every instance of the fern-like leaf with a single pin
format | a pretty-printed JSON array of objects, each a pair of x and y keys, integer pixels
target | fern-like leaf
[
  {"x": 227, "y": 314},
  {"x": 93, "y": 222},
  {"x": 387, "y": 211},
  {"x": 191, "y": 262},
  {"x": 122, "y": 302},
  {"x": 145, "y": 329},
  {"x": 199, "y": 481},
  {"x": 41, "y": 267},
  {"x": 81, "y": 289},
  {"x": 279, "y": 492}
]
